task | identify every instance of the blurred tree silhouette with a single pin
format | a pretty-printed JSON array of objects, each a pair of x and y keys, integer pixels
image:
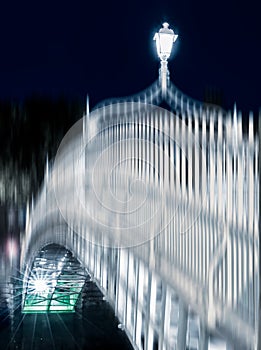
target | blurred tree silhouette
[{"x": 30, "y": 131}]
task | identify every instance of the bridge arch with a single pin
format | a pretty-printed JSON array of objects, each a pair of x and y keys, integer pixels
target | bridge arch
[{"x": 206, "y": 275}]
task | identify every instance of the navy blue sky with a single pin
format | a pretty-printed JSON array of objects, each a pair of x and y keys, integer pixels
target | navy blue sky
[{"x": 105, "y": 49}]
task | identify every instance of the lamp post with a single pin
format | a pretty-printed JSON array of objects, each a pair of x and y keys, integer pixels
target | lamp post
[{"x": 164, "y": 42}]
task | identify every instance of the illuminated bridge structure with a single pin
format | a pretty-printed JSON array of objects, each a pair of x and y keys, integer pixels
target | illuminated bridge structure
[{"x": 161, "y": 208}]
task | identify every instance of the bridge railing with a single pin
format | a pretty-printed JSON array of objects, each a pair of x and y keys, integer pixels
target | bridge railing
[{"x": 201, "y": 180}]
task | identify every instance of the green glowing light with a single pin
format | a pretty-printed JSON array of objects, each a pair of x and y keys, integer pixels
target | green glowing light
[{"x": 54, "y": 284}]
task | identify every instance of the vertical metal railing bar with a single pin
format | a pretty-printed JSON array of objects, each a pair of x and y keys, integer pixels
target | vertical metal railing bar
[{"x": 259, "y": 237}]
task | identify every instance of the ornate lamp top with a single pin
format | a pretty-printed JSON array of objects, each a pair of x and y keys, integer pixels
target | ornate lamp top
[{"x": 164, "y": 41}]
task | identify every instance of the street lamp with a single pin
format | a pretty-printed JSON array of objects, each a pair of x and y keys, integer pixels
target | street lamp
[{"x": 164, "y": 42}]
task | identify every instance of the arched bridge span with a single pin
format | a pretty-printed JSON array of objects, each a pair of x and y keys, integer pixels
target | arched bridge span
[{"x": 162, "y": 208}]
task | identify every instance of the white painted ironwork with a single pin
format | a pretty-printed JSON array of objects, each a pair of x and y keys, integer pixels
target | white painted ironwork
[{"x": 163, "y": 210}]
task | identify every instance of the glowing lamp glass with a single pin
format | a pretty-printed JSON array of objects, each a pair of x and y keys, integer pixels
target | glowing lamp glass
[
  {"x": 165, "y": 44},
  {"x": 164, "y": 41}
]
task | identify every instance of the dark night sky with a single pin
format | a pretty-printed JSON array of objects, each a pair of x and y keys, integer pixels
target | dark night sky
[{"x": 105, "y": 49}]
